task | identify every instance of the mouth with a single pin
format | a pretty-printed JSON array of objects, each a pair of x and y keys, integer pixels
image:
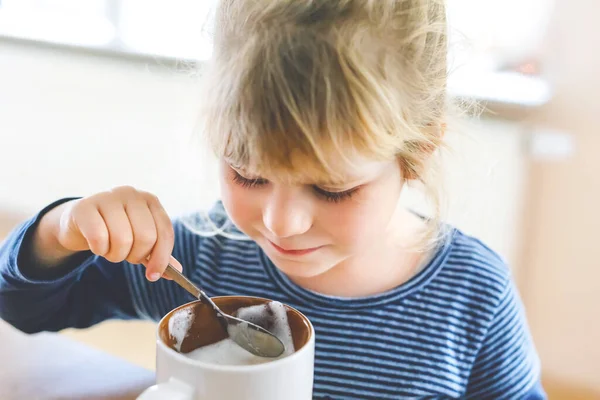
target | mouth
[{"x": 294, "y": 252}]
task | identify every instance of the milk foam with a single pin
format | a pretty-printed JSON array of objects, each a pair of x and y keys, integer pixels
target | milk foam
[
  {"x": 226, "y": 352},
  {"x": 179, "y": 325},
  {"x": 272, "y": 316}
]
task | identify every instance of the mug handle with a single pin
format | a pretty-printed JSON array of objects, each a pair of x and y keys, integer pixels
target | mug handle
[{"x": 173, "y": 390}]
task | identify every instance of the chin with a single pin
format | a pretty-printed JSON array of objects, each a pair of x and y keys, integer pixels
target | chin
[{"x": 304, "y": 270}]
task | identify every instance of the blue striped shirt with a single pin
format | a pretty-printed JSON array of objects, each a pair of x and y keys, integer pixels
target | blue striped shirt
[{"x": 455, "y": 330}]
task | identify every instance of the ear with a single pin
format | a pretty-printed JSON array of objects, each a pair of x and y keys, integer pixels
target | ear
[{"x": 417, "y": 152}]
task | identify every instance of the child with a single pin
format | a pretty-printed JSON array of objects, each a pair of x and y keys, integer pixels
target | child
[{"x": 320, "y": 111}]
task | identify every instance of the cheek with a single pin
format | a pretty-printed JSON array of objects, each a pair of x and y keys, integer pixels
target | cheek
[
  {"x": 352, "y": 224},
  {"x": 241, "y": 206},
  {"x": 362, "y": 221},
  {"x": 345, "y": 223}
]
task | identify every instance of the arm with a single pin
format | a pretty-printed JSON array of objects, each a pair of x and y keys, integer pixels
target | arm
[
  {"x": 507, "y": 365},
  {"x": 81, "y": 291},
  {"x": 59, "y": 289}
]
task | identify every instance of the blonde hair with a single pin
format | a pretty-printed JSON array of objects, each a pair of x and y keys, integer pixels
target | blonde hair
[{"x": 310, "y": 79}]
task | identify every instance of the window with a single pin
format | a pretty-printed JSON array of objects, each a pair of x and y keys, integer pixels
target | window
[
  {"x": 174, "y": 29},
  {"x": 500, "y": 31},
  {"x": 493, "y": 29}
]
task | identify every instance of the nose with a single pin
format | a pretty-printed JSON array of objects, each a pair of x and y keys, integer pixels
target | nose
[{"x": 286, "y": 213}]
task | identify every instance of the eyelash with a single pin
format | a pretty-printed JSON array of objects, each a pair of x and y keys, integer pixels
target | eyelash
[{"x": 332, "y": 197}]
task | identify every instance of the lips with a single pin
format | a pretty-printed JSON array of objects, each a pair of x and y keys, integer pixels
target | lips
[{"x": 294, "y": 252}]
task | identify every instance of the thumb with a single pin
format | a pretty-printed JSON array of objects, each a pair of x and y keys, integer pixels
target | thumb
[{"x": 154, "y": 276}]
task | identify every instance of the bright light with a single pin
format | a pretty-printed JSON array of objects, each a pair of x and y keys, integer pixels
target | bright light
[
  {"x": 56, "y": 25},
  {"x": 181, "y": 29}
]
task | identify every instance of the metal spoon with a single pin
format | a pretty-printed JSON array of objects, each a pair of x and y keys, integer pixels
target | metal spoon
[{"x": 249, "y": 336}]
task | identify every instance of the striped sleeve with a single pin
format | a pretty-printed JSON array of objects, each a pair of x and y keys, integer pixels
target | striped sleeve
[
  {"x": 83, "y": 291},
  {"x": 88, "y": 289},
  {"x": 507, "y": 366}
]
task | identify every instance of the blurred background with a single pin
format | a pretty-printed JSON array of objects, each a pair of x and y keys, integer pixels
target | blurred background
[{"x": 100, "y": 93}]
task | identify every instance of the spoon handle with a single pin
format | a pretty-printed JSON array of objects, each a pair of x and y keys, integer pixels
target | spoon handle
[{"x": 181, "y": 280}]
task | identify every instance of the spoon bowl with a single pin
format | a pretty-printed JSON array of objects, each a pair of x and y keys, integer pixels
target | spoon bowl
[{"x": 251, "y": 337}]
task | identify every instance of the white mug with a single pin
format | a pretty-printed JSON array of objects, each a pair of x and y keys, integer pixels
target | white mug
[{"x": 181, "y": 378}]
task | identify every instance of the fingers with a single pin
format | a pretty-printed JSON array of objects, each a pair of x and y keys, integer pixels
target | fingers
[
  {"x": 122, "y": 224},
  {"x": 144, "y": 231},
  {"x": 119, "y": 228},
  {"x": 161, "y": 253},
  {"x": 168, "y": 275},
  {"x": 87, "y": 230}
]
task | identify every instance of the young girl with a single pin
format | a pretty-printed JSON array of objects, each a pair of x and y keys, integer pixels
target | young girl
[{"x": 320, "y": 112}]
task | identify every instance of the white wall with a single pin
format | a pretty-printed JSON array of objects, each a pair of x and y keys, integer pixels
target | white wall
[
  {"x": 74, "y": 124},
  {"x": 563, "y": 280},
  {"x": 486, "y": 177}
]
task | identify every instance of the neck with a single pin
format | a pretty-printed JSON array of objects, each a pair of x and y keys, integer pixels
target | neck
[{"x": 393, "y": 262}]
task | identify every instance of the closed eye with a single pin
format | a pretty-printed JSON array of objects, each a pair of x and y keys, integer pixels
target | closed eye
[
  {"x": 329, "y": 196},
  {"x": 248, "y": 182},
  {"x": 336, "y": 197}
]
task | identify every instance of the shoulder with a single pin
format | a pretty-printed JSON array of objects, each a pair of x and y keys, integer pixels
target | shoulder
[
  {"x": 471, "y": 263},
  {"x": 476, "y": 287},
  {"x": 505, "y": 340},
  {"x": 472, "y": 281}
]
